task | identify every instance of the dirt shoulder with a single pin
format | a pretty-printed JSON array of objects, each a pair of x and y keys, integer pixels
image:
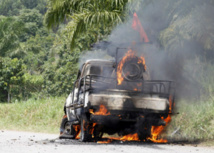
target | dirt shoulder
[{"x": 209, "y": 143}]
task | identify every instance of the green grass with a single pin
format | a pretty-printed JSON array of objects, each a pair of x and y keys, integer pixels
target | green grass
[
  {"x": 195, "y": 121},
  {"x": 33, "y": 115}
]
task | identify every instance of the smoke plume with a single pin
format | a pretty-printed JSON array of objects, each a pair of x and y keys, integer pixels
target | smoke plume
[{"x": 163, "y": 63}]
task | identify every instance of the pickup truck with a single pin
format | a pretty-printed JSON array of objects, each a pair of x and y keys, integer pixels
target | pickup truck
[{"x": 98, "y": 104}]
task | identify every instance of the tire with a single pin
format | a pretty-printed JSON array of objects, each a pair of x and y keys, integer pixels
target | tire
[
  {"x": 144, "y": 134},
  {"x": 144, "y": 129},
  {"x": 97, "y": 133},
  {"x": 85, "y": 130},
  {"x": 66, "y": 129}
]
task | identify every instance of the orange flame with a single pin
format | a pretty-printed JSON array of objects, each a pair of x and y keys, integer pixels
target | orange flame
[
  {"x": 102, "y": 111},
  {"x": 105, "y": 142},
  {"x": 129, "y": 137},
  {"x": 92, "y": 129},
  {"x": 77, "y": 129},
  {"x": 156, "y": 130},
  {"x": 129, "y": 55}
]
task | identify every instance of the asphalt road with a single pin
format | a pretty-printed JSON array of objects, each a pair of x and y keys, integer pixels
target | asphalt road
[{"x": 26, "y": 142}]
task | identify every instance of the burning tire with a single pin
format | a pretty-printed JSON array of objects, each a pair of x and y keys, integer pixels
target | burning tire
[
  {"x": 144, "y": 129},
  {"x": 97, "y": 132},
  {"x": 66, "y": 129},
  {"x": 132, "y": 71},
  {"x": 130, "y": 67},
  {"x": 85, "y": 130}
]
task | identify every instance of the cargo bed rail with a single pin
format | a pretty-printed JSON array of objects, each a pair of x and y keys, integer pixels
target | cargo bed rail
[{"x": 96, "y": 84}]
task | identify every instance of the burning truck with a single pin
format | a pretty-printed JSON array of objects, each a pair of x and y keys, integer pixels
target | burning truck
[{"x": 117, "y": 96}]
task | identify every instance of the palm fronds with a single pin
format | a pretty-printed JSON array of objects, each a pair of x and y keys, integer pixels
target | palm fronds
[{"x": 84, "y": 15}]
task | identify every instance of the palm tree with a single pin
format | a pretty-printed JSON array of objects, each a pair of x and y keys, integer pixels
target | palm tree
[
  {"x": 85, "y": 15},
  {"x": 189, "y": 21}
]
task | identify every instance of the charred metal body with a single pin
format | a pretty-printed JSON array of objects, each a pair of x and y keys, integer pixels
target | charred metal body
[{"x": 133, "y": 106}]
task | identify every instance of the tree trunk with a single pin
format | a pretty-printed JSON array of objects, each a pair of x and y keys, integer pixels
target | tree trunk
[
  {"x": 8, "y": 94},
  {"x": 8, "y": 97}
]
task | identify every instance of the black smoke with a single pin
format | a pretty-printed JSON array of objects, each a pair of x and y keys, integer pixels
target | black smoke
[{"x": 163, "y": 64}]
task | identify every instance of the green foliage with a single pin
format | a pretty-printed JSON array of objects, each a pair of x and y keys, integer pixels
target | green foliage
[
  {"x": 30, "y": 4},
  {"x": 11, "y": 71},
  {"x": 52, "y": 57},
  {"x": 194, "y": 122},
  {"x": 59, "y": 81},
  {"x": 189, "y": 21},
  {"x": 31, "y": 15},
  {"x": 84, "y": 16},
  {"x": 10, "y": 8},
  {"x": 42, "y": 115},
  {"x": 33, "y": 22},
  {"x": 38, "y": 49},
  {"x": 32, "y": 84},
  {"x": 24, "y": 37},
  {"x": 61, "y": 69},
  {"x": 203, "y": 73},
  {"x": 10, "y": 31}
]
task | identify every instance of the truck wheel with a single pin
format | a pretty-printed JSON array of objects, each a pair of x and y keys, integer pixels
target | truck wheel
[
  {"x": 66, "y": 129},
  {"x": 143, "y": 134},
  {"x": 97, "y": 133},
  {"x": 144, "y": 129},
  {"x": 85, "y": 130}
]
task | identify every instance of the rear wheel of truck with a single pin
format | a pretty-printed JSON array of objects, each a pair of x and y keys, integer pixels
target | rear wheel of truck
[
  {"x": 66, "y": 129},
  {"x": 144, "y": 129},
  {"x": 85, "y": 136},
  {"x": 98, "y": 133},
  {"x": 145, "y": 133}
]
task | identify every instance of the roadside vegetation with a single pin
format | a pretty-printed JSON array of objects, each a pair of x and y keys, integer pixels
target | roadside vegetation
[
  {"x": 41, "y": 42},
  {"x": 195, "y": 121},
  {"x": 42, "y": 115}
]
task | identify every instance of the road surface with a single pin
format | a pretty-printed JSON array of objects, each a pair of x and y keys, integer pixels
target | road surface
[{"x": 26, "y": 142}]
